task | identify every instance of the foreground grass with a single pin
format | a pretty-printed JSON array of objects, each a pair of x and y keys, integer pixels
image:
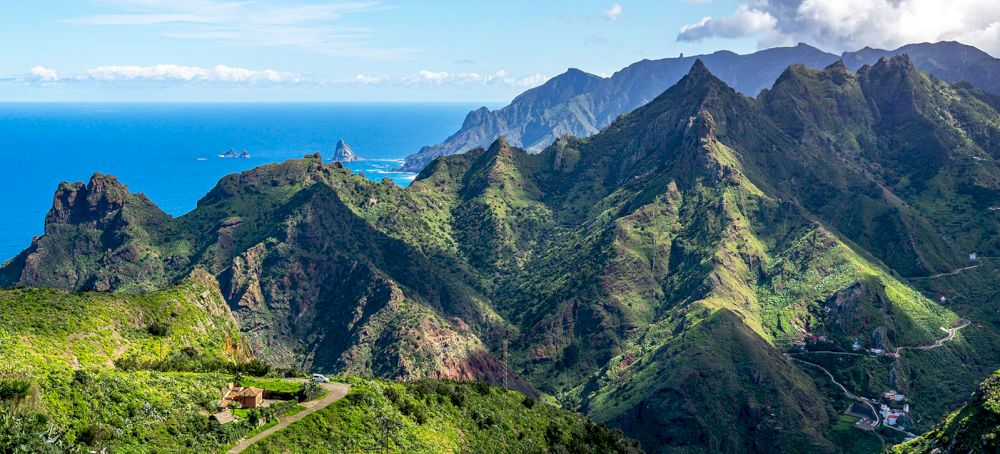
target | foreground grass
[{"x": 441, "y": 417}]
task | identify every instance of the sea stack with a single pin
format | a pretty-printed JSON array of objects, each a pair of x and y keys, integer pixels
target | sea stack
[{"x": 344, "y": 153}]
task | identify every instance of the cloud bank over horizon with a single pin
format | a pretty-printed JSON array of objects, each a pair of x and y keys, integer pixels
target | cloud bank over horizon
[
  {"x": 850, "y": 25},
  {"x": 222, "y": 74}
]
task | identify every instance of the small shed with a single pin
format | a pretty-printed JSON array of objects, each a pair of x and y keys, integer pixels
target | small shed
[{"x": 250, "y": 397}]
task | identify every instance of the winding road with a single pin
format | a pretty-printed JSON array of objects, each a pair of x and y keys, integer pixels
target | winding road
[
  {"x": 950, "y": 273},
  {"x": 951, "y": 335},
  {"x": 951, "y": 332},
  {"x": 878, "y": 420},
  {"x": 335, "y": 392}
]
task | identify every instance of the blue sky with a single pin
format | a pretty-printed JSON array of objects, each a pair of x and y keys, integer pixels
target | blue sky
[
  {"x": 318, "y": 49},
  {"x": 431, "y": 50}
]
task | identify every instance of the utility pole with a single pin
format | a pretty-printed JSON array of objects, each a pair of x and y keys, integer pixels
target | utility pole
[
  {"x": 506, "y": 362},
  {"x": 386, "y": 429}
]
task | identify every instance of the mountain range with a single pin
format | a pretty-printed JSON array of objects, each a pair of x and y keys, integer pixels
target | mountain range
[
  {"x": 653, "y": 276},
  {"x": 581, "y": 104}
]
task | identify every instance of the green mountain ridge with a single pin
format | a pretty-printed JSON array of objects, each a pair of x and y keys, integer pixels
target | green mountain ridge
[
  {"x": 651, "y": 276},
  {"x": 974, "y": 428},
  {"x": 541, "y": 115}
]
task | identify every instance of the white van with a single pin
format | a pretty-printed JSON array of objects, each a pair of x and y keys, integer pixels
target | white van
[{"x": 320, "y": 378}]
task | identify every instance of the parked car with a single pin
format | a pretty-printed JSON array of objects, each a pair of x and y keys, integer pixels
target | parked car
[{"x": 320, "y": 378}]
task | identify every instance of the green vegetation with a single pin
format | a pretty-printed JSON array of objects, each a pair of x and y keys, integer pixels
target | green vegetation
[
  {"x": 273, "y": 384},
  {"x": 650, "y": 277},
  {"x": 60, "y": 389},
  {"x": 442, "y": 417},
  {"x": 44, "y": 331},
  {"x": 973, "y": 429}
]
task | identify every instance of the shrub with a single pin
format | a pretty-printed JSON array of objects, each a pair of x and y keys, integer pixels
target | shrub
[
  {"x": 310, "y": 391},
  {"x": 528, "y": 402},
  {"x": 414, "y": 410},
  {"x": 93, "y": 435},
  {"x": 254, "y": 368},
  {"x": 158, "y": 329},
  {"x": 482, "y": 388},
  {"x": 394, "y": 395},
  {"x": 14, "y": 389}
]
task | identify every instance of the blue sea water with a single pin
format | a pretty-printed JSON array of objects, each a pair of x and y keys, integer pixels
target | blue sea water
[{"x": 170, "y": 151}]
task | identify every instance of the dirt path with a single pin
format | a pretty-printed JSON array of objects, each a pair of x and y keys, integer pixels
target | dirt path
[{"x": 335, "y": 392}]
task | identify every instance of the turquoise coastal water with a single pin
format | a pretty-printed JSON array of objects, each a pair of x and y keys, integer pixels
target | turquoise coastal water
[{"x": 170, "y": 151}]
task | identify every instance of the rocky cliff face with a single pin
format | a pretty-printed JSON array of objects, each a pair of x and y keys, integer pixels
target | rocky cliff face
[
  {"x": 651, "y": 276},
  {"x": 97, "y": 236}
]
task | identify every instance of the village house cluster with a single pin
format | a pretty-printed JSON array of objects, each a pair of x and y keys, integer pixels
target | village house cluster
[{"x": 893, "y": 408}]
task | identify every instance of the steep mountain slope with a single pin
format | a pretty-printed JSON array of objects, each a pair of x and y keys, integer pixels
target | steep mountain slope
[
  {"x": 580, "y": 104},
  {"x": 82, "y": 371},
  {"x": 115, "y": 372},
  {"x": 304, "y": 255},
  {"x": 973, "y": 429},
  {"x": 651, "y": 276},
  {"x": 541, "y": 115},
  {"x": 43, "y": 330}
]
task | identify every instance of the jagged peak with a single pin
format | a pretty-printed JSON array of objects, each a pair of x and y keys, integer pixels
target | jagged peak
[
  {"x": 899, "y": 63},
  {"x": 100, "y": 200},
  {"x": 103, "y": 182},
  {"x": 577, "y": 72},
  {"x": 500, "y": 146},
  {"x": 838, "y": 65},
  {"x": 475, "y": 117},
  {"x": 699, "y": 71},
  {"x": 898, "y": 60}
]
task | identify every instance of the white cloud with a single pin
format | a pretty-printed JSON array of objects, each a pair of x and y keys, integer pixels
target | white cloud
[
  {"x": 44, "y": 74},
  {"x": 852, "y": 24},
  {"x": 222, "y": 74},
  {"x": 310, "y": 26},
  {"x": 219, "y": 73},
  {"x": 460, "y": 79},
  {"x": 614, "y": 12},
  {"x": 370, "y": 80},
  {"x": 141, "y": 19},
  {"x": 744, "y": 22}
]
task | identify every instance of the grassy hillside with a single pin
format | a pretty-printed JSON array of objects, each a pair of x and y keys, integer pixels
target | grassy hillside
[
  {"x": 142, "y": 373},
  {"x": 43, "y": 330},
  {"x": 442, "y": 417},
  {"x": 100, "y": 370}
]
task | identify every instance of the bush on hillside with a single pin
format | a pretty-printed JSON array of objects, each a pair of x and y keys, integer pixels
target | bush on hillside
[
  {"x": 310, "y": 391},
  {"x": 158, "y": 329},
  {"x": 14, "y": 389}
]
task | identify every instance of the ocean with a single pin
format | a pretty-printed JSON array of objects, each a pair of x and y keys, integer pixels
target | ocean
[{"x": 170, "y": 151}]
